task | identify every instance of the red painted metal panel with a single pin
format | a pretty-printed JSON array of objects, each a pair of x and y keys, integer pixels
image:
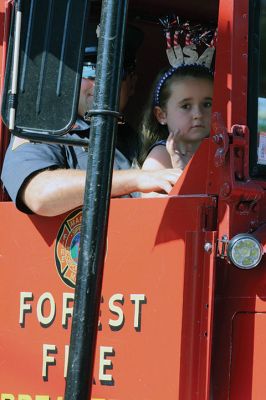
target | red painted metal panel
[
  {"x": 158, "y": 279},
  {"x": 247, "y": 369},
  {"x": 231, "y": 62},
  {"x": 238, "y": 292}
]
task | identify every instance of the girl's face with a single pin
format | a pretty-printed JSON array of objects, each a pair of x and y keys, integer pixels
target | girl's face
[{"x": 188, "y": 109}]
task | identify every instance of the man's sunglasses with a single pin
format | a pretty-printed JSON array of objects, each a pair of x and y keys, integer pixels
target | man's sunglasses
[{"x": 89, "y": 71}]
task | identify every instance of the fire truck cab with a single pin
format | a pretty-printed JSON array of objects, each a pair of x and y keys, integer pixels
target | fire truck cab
[{"x": 181, "y": 309}]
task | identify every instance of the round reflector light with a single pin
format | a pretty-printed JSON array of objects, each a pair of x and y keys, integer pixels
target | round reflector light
[{"x": 245, "y": 251}]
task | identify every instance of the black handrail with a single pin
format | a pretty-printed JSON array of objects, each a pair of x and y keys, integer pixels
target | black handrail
[{"x": 96, "y": 201}]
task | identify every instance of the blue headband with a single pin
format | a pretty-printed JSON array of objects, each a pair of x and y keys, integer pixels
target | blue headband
[
  {"x": 168, "y": 74},
  {"x": 157, "y": 91}
]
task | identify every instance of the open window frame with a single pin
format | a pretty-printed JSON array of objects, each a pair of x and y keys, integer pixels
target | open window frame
[{"x": 255, "y": 88}]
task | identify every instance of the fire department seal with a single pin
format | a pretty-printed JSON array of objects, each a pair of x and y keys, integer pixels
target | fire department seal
[{"x": 67, "y": 248}]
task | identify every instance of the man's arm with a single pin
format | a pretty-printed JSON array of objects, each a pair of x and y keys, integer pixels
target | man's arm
[{"x": 53, "y": 192}]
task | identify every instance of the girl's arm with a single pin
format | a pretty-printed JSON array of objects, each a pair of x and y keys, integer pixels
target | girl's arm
[
  {"x": 158, "y": 158},
  {"x": 176, "y": 154}
]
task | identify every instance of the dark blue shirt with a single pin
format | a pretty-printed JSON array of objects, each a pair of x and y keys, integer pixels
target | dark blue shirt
[{"x": 24, "y": 159}]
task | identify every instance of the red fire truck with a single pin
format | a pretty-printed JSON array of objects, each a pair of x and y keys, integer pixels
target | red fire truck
[{"x": 169, "y": 300}]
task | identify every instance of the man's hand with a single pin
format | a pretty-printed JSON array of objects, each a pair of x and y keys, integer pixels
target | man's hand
[
  {"x": 144, "y": 181},
  {"x": 160, "y": 181}
]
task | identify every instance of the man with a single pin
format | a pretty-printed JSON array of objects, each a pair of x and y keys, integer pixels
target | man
[
  {"x": 127, "y": 138},
  {"x": 49, "y": 179}
]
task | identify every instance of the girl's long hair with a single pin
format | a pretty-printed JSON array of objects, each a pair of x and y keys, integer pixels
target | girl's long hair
[{"x": 151, "y": 130}]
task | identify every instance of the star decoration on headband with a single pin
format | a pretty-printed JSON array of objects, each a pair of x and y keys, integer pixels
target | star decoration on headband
[{"x": 188, "y": 43}]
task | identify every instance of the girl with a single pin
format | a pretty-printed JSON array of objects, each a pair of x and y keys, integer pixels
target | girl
[{"x": 178, "y": 117}]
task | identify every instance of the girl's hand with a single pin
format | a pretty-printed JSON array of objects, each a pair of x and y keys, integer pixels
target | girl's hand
[{"x": 179, "y": 151}]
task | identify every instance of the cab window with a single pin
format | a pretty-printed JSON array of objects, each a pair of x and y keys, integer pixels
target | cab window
[
  {"x": 257, "y": 89},
  {"x": 262, "y": 88}
]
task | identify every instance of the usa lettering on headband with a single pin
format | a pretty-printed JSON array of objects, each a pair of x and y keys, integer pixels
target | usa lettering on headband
[{"x": 188, "y": 44}]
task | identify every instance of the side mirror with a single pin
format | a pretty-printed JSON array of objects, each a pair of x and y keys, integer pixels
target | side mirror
[{"x": 45, "y": 57}]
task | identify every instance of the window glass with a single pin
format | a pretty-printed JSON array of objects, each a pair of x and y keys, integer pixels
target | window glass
[{"x": 261, "y": 150}]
